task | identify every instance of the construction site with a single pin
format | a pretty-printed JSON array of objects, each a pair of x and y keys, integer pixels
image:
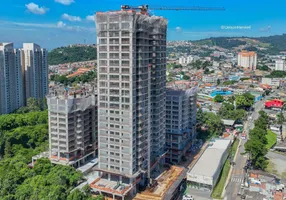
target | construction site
[{"x": 165, "y": 187}]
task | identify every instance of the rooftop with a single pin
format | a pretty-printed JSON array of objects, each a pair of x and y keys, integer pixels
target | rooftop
[
  {"x": 213, "y": 155},
  {"x": 165, "y": 182}
]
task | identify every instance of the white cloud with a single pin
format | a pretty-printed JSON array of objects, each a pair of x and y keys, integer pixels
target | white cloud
[
  {"x": 61, "y": 24},
  {"x": 90, "y": 18},
  {"x": 71, "y": 18},
  {"x": 178, "y": 29},
  {"x": 65, "y": 2},
  {"x": 266, "y": 29},
  {"x": 32, "y": 24},
  {"x": 58, "y": 25},
  {"x": 34, "y": 8}
]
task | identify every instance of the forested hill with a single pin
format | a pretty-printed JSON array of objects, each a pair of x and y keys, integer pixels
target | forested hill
[
  {"x": 71, "y": 54},
  {"x": 276, "y": 42}
]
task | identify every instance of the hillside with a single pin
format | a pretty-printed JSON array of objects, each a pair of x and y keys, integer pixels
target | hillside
[
  {"x": 274, "y": 43},
  {"x": 71, "y": 54}
]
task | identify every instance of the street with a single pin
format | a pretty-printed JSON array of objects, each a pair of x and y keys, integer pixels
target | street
[{"x": 238, "y": 173}]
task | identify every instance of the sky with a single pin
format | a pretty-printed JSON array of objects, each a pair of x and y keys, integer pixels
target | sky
[{"x": 55, "y": 23}]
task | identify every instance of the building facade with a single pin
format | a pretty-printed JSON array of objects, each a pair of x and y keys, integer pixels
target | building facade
[
  {"x": 209, "y": 79},
  {"x": 280, "y": 65},
  {"x": 72, "y": 127},
  {"x": 273, "y": 82},
  {"x": 11, "y": 79},
  {"x": 131, "y": 94},
  {"x": 247, "y": 59},
  {"x": 181, "y": 112},
  {"x": 35, "y": 63}
]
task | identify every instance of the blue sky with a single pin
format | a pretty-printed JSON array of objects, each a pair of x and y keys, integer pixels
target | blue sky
[{"x": 54, "y": 23}]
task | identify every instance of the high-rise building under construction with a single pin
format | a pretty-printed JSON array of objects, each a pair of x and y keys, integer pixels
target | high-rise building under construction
[{"x": 131, "y": 98}]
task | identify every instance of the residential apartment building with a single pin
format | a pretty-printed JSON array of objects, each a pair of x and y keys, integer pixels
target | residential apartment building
[
  {"x": 280, "y": 65},
  {"x": 131, "y": 98},
  {"x": 274, "y": 82},
  {"x": 72, "y": 127},
  {"x": 35, "y": 62},
  {"x": 181, "y": 110},
  {"x": 182, "y": 60},
  {"x": 11, "y": 79},
  {"x": 247, "y": 59},
  {"x": 209, "y": 79},
  {"x": 186, "y": 60}
]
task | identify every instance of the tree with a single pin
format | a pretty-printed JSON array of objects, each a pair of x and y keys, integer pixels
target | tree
[
  {"x": 77, "y": 195},
  {"x": 218, "y": 98},
  {"x": 280, "y": 118},
  {"x": 186, "y": 77},
  {"x": 227, "y": 111},
  {"x": 277, "y": 74},
  {"x": 256, "y": 145},
  {"x": 200, "y": 116},
  {"x": 263, "y": 67},
  {"x": 244, "y": 101},
  {"x": 218, "y": 82},
  {"x": 214, "y": 123}
]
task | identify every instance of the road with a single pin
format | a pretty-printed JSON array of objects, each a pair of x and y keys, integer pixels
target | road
[{"x": 238, "y": 173}]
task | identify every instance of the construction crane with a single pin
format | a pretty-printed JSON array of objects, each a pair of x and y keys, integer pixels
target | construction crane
[{"x": 144, "y": 8}]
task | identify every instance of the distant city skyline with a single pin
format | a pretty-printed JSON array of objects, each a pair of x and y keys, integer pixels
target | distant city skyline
[{"x": 55, "y": 23}]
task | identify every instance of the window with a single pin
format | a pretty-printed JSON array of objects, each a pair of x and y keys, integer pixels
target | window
[
  {"x": 113, "y": 34},
  {"x": 125, "y": 25},
  {"x": 125, "y": 63},
  {"x": 102, "y": 55},
  {"x": 125, "y": 70},
  {"x": 102, "y": 34},
  {"x": 114, "y": 26},
  {"x": 102, "y": 41},
  {"x": 114, "y": 62}
]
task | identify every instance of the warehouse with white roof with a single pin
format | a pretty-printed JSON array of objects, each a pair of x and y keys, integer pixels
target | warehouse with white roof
[{"x": 206, "y": 171}]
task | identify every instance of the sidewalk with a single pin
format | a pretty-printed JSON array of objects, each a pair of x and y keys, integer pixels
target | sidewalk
[{"x": 230, "y": 171}]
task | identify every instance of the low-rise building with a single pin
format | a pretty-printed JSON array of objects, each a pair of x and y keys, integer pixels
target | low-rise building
[
  {"x": 209, "y": 79},
  {"x": 206, "y": 171},
  {"x": 274, "y": 82}
]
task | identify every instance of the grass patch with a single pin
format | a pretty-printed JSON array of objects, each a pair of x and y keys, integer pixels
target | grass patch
[
  {"x": 234, "y": 147},
  {"x": 220, "y": 185},
  {"x": 271, "y": 168},
  {"x": 271, "y": 139},
  {"x": 217, "y": 192}
]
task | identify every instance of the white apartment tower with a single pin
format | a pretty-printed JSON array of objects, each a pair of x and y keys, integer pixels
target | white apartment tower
[
  {"x": 131, "y": 93},
  {"x": 35, "y": 63},
  {"x": 11, "y": 79},
  {"x": 247, "y": 59},
  {"x": 280, "y": 65}
]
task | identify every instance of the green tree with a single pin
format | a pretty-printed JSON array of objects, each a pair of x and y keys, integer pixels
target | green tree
[
  {"x": 186, "y": 77},
  {"x": 200, "y": 116},
  {"x": 218, "y": 98},
  {"x": 218, "y": 82},
  {"x": 280, "y": 118},
  {"x": 214, "y": 123},
  {"x": 256, "y": 145},
  {"x": 77, "y": 195}
]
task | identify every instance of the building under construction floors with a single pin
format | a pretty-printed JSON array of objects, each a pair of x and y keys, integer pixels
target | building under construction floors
[{"x": 131, "y": 61}]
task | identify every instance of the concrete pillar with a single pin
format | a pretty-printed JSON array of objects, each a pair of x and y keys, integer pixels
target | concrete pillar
[
  {"x": 113, "y": 196},
  {"x": 120, "y": 179}
]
